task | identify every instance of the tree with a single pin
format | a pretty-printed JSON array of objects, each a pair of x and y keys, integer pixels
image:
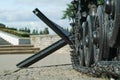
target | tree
[
  {"x": 28, "y": 30},
  {"x": 68, "y": 12},
  {"x": 34, "y": 32},
  {"x": 25, "y": 30},
  {"x": 41, "y": 32},
  {"x": 46, "y": 31}
]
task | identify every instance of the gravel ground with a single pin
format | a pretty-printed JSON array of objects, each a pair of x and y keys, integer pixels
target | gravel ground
[{"x": 64, "y": 72}]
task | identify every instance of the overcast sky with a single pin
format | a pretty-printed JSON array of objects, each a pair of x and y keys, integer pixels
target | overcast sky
[{"x": 18, "y": 13}]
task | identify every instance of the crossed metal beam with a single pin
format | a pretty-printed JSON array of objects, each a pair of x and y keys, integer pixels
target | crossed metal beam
[{"x": 65, "y": 35}]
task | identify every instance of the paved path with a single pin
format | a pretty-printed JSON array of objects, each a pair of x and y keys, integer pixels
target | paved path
[
  {"x": 8, "y": 62},
  {"x": 37, "y": 71}
]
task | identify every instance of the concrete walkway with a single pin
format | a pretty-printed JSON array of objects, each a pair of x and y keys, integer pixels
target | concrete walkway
[{"x": 8, "y": 62}]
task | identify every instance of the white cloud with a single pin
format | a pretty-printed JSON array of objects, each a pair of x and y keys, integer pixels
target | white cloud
[
  {"x": 43, "y": 2},
  {"x": 30, "y": 24},
  {"x": 20, "y": 15},
  {"x": 16, "y": 16}
]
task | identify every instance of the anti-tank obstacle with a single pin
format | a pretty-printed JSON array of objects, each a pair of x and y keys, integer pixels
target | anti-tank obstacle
[{"x": 95, "y": 40}]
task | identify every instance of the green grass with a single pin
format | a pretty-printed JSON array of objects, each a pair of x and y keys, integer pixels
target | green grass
[{"x": 15, "y": 32}]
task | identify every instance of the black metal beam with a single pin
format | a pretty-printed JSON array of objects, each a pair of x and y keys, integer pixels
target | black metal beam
[
  {"x": 49, "y": 50},
  {"x": 42, "y": 54},
  {"x": 58, "y": 29}
]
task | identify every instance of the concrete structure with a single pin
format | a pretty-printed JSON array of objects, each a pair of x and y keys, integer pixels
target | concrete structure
[
  {"x": 38, "y": 41},
  {"x": 43, "y": 41},
  {"x": 14, "y": 40},
  {"x": 4, "y": 42}
]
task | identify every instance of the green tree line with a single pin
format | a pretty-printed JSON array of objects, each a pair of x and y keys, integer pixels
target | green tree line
[
  {"x": 34, "y": 31},
  {"x": 24, "y": 30}
]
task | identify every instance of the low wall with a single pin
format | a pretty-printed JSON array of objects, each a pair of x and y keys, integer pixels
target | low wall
[
  {"x": 14, "y": 40},
  {"x": 24, "y": 41},
  {"x": 43, "y": 41}
]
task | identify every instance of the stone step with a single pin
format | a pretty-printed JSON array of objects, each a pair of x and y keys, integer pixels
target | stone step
[
  {"x": 3, "y": 46},
  {"x": 18, "y": 49},
  {"x": 19, "y": 52}
]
